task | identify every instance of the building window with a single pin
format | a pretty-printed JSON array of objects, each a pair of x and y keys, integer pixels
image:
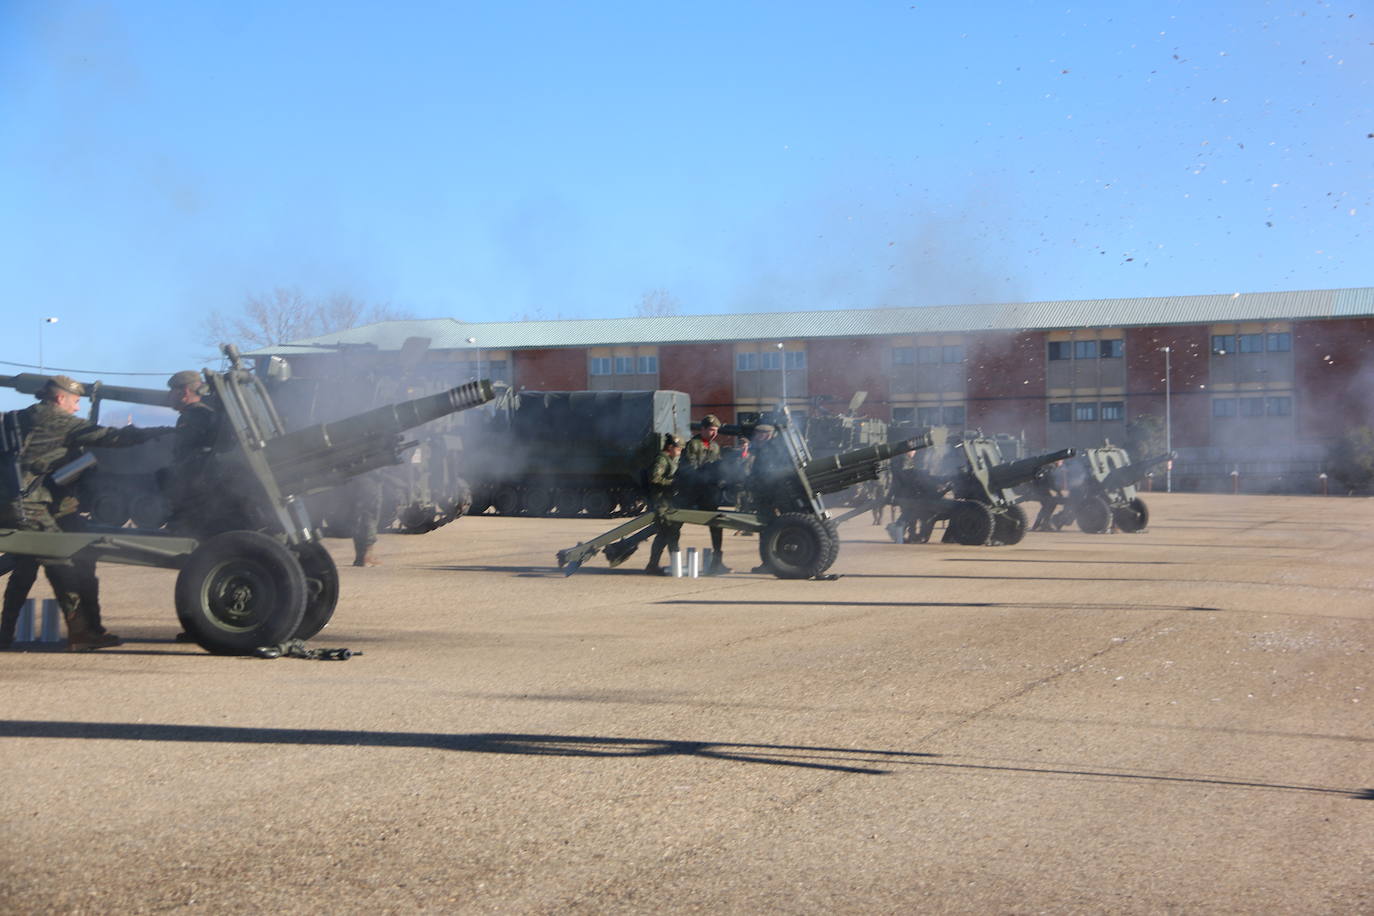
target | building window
[
  {"x": 928, "y": 416},
  {"x": 1084, "y": 413},
  {"x": 795, "y": 359},
  {"x": 770, "y": 359},
  {"x": 1059, "y": 349},
  {"x": 1060, "y": 413},
  {"x": 1113, "y": 410},
  {"x": 1113, "y": 349},
  {"x": 1224, "y": 407},
  {"x": 953, "y": 416},
  {"x": 1223, "y": 343},
  {"x": 1279, "y": 343},
  {"x": 746, "y": 362},
  {"x": 952, "y": 353},
  {"x": 1278, "y": 407},
  {"x": 624, "y": 365},
  {"x": 601, "y": 365},
  {"x": 648, "y": 365},
  {"x": 903, "y": 356},
  {"x": 906, "y": 415},
  {"x": 1251, "y": 407},
  {"x": 1085, "y": 349},
  {"x": 928, "y": 355},
  {"x": 1250, "y": 343}
]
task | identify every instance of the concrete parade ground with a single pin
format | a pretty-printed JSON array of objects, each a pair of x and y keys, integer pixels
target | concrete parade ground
[{"x": 1178, "y": 721}]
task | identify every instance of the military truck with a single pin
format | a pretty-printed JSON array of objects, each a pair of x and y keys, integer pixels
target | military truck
[
  {"x": 1102, "y": 491},
  {"x": 565, "y": 453},
  {"x": 983, "y": 507},
  {"x": 251, "y": 569},
  {"x": 798, "y": 538}
]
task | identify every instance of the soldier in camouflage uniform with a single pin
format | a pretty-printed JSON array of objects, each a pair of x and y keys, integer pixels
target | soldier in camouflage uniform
[
  {"x": 51, "y": 433},
  {"x": 196, "y": 430},
  {"x": 701, "y": 456},
  {"x": 662, "y": 480}
]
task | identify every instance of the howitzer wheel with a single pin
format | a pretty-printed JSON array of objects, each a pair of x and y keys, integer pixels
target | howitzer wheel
[
  {"x": 1093, "y": 514},
  {"x": 1009, "y": 526},
  {"x": 111, "y": 508},
  {"x": 797, "y": 546},
  {"x": 970, "y": 523},
  {"x": 1132, "y": 517},
  {"x": 241, "y": 590},
  {"x": 321, "y": 589},
  {"x": 148, "y": 510},
  {"x": 567, "y": 501}
]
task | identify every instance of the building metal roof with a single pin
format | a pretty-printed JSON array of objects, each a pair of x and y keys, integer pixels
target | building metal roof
[{"x": 453, "y": 334}]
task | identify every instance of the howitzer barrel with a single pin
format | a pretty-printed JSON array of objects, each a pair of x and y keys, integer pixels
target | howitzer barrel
[
  {"x": 32, "y": 383},
  {"x": 1129, "y": 474},
  {"x": 1015, "y": 473},
  {"x": 836, "y": 472},
  {"x": 320, "y": 455}
]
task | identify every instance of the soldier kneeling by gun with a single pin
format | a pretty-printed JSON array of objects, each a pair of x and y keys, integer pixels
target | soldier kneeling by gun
[{"x": 920, "y": 496}]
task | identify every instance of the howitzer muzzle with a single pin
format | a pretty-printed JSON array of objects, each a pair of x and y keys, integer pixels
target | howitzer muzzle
[
  {"x": 1015, "y": 473},
  {"x": 836, "y": 472}
]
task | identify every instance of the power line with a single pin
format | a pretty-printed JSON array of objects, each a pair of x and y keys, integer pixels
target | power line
[{"x": 5, "y": 362}]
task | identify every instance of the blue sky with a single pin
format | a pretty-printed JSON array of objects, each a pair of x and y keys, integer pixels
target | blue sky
[{"x": 489, "y": 161}]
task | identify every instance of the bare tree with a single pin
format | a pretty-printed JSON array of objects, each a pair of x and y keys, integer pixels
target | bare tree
[
  {"x": 656, "y": 303},
  {"x": 287, "y": 314}
]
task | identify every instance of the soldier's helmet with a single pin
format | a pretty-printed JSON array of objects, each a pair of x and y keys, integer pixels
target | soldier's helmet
[
  {"x": 67, "y": 384},
  {"x": 711, "y": 420},
  {"x": 670, "y": 440},
  {"x": 184, "y": 378}
]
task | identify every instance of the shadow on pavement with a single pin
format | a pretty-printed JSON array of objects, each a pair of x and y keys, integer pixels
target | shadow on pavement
[
  {"x": 839, "y": 759},
  {"x": 835, "y": 759},
  {"x": 1053, "y": 605}
]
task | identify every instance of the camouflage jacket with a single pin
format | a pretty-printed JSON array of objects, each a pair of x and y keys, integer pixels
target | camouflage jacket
[
  {"x": 697, "y": 453},
  {"x": 52, "y": 434},
  {"x": 662, "y": 479}
]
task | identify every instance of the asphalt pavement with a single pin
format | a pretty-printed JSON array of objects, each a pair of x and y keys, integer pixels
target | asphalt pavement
[{"x": 1177, "y": 721}]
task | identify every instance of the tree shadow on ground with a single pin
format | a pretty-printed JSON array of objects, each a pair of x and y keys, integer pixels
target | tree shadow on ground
[{"x": 834, "y": 759}]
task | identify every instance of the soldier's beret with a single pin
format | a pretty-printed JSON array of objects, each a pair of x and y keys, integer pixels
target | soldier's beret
[
  {"x": 710, "y": 420},
  {"x": 184, "y": 378},
  {"x": 670, "y": 440},
  {"x": 67, "y": 384}
]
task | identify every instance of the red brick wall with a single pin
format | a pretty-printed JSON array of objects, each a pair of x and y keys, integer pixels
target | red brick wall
[
  {"x": 1190, "y": 351},
  {"x": 706, "y": 371},
  {"x": 1333, "y": 376},
  {"x": 838, "y": 368},
  {"x": 550, "y": 370},
  {"x": 1006, "y": 383}
]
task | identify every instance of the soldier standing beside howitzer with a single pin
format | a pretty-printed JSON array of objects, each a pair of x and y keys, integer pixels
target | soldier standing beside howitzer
[
  {"x": 920, "y": 496},
  {"x": 50, "y": 432},
  {"x": 662, "y": 479},
  {"x": 196, "y": 430},
  {"x": 701, "y": 459},
  {"x": 1047, "y": 486}
]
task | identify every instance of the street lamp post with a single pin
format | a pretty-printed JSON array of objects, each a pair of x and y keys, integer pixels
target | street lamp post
[
  {"x": 1168, "y": 424},
  {"x": 472, "y": 341},
  {"x": 782, "y": 367},
  {"x": 41, "y": 324}
]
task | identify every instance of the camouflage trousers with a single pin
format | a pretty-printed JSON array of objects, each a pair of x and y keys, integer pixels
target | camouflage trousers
[{"x": 74, "y": 583}]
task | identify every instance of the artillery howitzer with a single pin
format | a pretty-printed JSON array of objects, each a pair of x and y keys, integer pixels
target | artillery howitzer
[
  {"x": 252, "y": 571},
  {"x": 797, "y": 537},
  {"x": 1104, "y": 491},
  {"x": 984, "y": 509}
]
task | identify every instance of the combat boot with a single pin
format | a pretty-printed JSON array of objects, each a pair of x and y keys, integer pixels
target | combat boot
[
  {"x": 366, "y": 556},
  {"x": 91, "y": 641},
  {"x": 717, "y": 567}
]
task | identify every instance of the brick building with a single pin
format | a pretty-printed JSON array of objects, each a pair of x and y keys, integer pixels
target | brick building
[{"x": 1259, "y": 382}]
